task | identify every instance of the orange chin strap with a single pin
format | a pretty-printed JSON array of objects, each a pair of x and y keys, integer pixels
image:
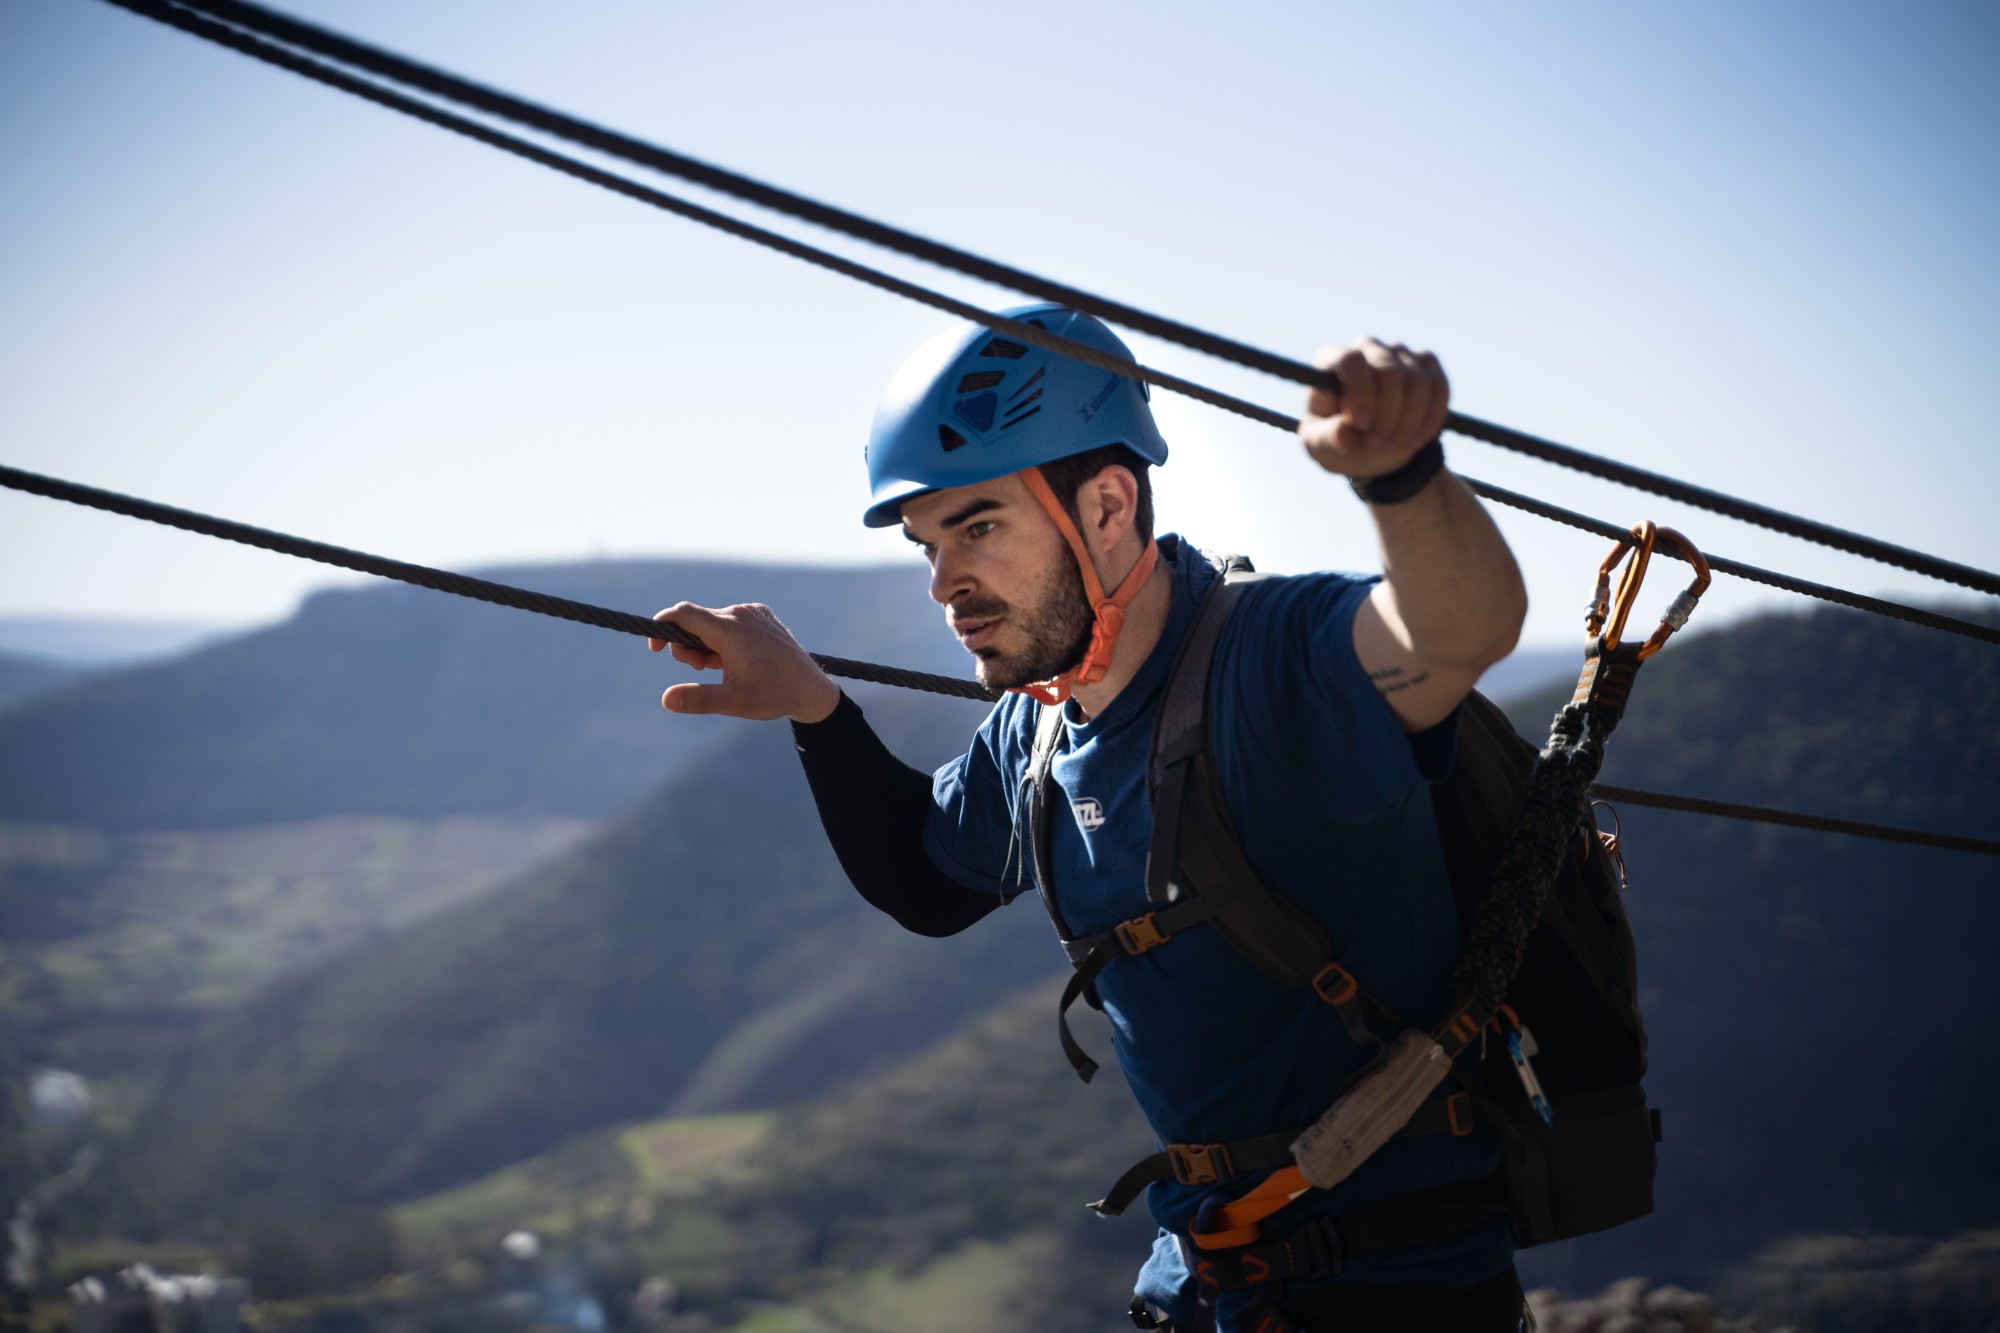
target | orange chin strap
[{"x": 1110, "y": 611}]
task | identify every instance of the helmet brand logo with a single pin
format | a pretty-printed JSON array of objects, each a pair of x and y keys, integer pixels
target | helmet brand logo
[{"x": 1090, "y": 409}]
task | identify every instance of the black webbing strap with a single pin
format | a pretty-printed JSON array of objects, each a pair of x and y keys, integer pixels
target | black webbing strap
[
  {"x": 1194, "y": 849},
  {"x": 1323, "y": 1247},
  {"x": 1089, "y": 955},
  {"x": 1197, "y": 1164},
  {"x": 1048, "y": 733}
]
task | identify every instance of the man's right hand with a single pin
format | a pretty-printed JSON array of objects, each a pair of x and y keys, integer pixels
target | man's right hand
[{"x": 765, "y": 674}]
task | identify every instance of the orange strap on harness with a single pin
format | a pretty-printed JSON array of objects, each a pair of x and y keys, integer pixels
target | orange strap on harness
[
  {"x": 1235, "y": 1223},
  {"x": 1109, "y": 611}
]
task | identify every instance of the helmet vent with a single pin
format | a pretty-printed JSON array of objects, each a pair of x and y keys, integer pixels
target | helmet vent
[
  {"x": 1001, "y": 347},
  {"x": 981, "y": 379},
  {"x": 1016, "y": 415},
  {"x": 949, "y": 438},
  {"x": 1027, "y": 385}
]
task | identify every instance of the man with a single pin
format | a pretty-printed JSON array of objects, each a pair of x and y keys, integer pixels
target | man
[{"x": 1022, "y": 475}]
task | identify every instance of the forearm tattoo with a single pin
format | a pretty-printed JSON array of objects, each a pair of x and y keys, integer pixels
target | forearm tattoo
[{"x": 1393, "y": 680}]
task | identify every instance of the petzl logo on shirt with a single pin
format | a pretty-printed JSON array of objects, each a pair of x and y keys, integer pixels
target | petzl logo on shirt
[{"x": 1089, "y": 813}]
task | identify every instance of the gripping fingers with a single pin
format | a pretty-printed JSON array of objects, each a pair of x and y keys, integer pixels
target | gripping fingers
[
  {"x": 690, "y": 620},
  {"x": 701, "y": 659},
  {"x": 1392, "y": 401},
  {"x": 765, "y": 673}
]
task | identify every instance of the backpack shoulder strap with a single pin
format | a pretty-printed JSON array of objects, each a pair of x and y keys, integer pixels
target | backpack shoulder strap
[
  {"x": 1195, "y": 850},
  {"x": 1042, "y": 758}
]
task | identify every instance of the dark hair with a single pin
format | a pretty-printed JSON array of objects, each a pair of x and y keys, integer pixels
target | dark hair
[{"x": 1067, "y": 475}]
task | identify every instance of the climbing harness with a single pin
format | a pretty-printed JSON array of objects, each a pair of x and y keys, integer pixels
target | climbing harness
[{"x": 1547, "y": 946}]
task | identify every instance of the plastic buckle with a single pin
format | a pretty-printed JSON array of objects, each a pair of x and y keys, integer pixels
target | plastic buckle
[
  {"x": 1140, "y": 934},
  {"x": 1336, "y": 985},
  {"x": 1458, "y": 1113},
  {"x": 1200, "y": 1163}
]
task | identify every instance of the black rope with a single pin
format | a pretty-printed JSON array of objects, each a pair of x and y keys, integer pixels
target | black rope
[
  {"x": 1030, "y": 333},
  {"x": 1792, "y": 819},
  {"x": 562, "y": 608},
  {"x": 451, "y": 87},
  {"x": 459, "y": 585},
  {"x": 1724, "y": 565},
  {"x": 1550, "y": 810}
]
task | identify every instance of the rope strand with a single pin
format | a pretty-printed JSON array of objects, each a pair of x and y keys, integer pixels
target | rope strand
[{"x": 439, "y": 83}]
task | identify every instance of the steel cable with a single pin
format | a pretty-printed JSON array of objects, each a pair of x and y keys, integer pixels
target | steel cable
[
  {"x": 1724, "y": 565},
  {"x": 183, "y": 14},
  {"x": 1792, "y": 819},
  {"x": 523, "y": 599},
  {"x": 177, "y": 17},
  {"x": 439, "y": 580}
]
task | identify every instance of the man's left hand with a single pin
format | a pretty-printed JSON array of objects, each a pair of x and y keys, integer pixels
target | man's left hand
[{"x": 1392, "y": 402}]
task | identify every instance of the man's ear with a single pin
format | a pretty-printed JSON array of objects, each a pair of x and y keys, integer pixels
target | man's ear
[{"x": 1108, "y": 504}]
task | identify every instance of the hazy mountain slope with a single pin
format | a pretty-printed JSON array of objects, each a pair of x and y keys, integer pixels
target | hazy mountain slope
[
  {"x": 102, "y": 641},
  {"x": 117, "y": 943},
  {"x": 704, "y": 951},
  {"x": 24, "y": 676},
  {"x": 398, "y": 701}
]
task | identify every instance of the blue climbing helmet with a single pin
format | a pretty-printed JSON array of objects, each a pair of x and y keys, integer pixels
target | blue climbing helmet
[{"x": 972, "y": 404}]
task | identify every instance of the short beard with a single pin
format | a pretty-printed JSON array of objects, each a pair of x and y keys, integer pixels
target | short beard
[{"x": 1057, "y": 628}]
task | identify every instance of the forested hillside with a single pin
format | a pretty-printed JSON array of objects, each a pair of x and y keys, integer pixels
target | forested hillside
[
  {"x": 398, "y": 701},
  {"x": 704, "y": 953}
]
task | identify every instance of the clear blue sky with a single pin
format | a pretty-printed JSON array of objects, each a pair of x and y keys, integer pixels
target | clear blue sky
[{"x": 1750, "y": 245}]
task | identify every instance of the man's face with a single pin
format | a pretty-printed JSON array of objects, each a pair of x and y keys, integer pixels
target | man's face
[{"x": 1007, "y": 580}]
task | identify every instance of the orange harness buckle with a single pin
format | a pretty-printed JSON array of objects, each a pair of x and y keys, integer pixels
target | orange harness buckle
[
  {"x": 1140, "y": 934},
  {"x": 1200, "y": 1163}
]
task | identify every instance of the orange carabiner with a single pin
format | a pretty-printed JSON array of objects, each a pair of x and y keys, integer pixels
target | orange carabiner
[{"x": 1607, "y": 615}]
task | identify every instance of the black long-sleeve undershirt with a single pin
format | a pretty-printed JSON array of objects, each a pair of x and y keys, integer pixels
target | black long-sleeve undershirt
[{"x": 872, "y": 806}]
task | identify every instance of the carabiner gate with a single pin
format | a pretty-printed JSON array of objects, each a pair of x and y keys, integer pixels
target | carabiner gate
[{"x": 1605, "y": 621}]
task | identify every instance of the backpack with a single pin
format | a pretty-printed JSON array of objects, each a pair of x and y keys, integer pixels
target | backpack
[{"x": 1577, "y": 1137}]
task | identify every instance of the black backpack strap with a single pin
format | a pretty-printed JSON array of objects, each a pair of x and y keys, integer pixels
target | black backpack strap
[
  {"x": 1195, "y": 851},
  {"x": 1048, "y": 734},
  {"x": 1089, "y": 954},
  {"x": 1194, "y": 848}
]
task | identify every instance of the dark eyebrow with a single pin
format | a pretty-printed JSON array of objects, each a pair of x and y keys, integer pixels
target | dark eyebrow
[{"x": 951, "y": 521}]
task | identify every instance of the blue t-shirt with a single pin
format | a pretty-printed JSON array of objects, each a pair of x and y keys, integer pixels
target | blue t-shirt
[{"x": 1334, "y": 813}]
